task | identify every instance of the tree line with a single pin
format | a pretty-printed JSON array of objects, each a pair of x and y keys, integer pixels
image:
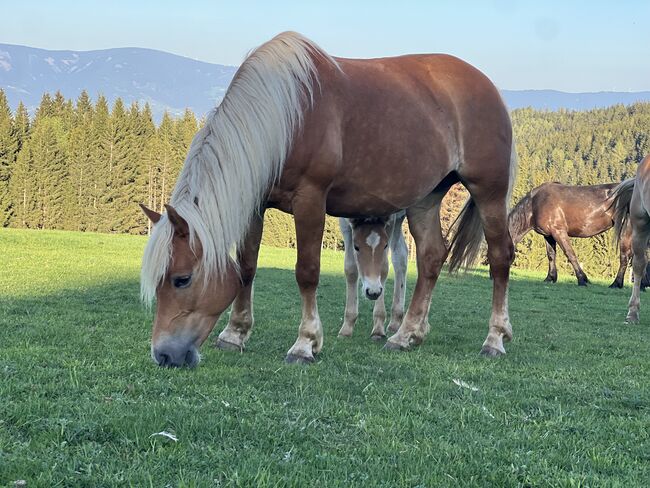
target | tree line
[{"x": 84, "y": 165}]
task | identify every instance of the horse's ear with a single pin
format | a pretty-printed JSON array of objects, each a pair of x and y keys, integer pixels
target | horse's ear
[
  {"x": 180, "y": 225},
  {"x": 153, "y": 215}
]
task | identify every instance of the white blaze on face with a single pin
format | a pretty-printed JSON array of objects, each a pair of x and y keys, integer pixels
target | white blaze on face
[{"x": 373, "y": 241}]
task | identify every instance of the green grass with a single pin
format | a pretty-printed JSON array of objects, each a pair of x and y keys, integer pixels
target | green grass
[{"x": 79, "y": 396}]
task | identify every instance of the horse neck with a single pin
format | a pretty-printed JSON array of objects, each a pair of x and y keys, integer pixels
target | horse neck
[{"x": 520, "y": 219}]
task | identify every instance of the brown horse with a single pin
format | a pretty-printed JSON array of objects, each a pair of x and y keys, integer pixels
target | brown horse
[
  {"x": 632, "y": 203},
  {"x": 367, "y": 242},
  {"x": 558, "y": 211},
  {"x": 308, "y": 134}
]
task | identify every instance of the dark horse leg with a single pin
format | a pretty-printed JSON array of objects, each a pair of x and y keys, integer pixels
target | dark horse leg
[
  {"x": 309, "y": 217},
  {"x": 550, "y": 252},
  {"x": 239, "y": 327},
  {"x": 431, "y": 252},
  {"x": 624, "y": 258},
  {"x": 564, "y": 242}
]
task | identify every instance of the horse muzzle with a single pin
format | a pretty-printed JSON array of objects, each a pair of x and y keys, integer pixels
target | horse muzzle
[{"x": 174, "y": 353}]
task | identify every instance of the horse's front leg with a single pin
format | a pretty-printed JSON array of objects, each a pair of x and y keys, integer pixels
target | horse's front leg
[
  {"x": 309, "y": 217},
  {"x": 640, "y": 238},
  {"x": 240, "y": 324},
  {"x": 379, "y": 310},
  {"x": 352, "y": 282},
  {"x": 551, "y": 253},
  {"x": 399, "y": 257}
]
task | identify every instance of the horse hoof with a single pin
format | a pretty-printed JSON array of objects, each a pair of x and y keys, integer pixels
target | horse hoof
[
  {"x": 582, "y": 283},
  {"x": 491, "y": 352},
  {"x": 616, "y": 285},
  {"x": 227, "y": 346},
  {"x": 634, "y": 319},
  {"x": 391, "y": 346},
  {"x": 344, "y": 336},
  {"x": 295, "y": 359},
  {"x": 378, "y": 337}
]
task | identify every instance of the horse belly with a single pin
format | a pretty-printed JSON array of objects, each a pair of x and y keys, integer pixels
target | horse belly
[{"x": 381, "y": 191}]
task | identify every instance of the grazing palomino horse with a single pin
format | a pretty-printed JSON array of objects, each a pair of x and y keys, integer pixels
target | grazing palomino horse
[
  {"x": 307, "y": 133},
  {"x": 366, "y": 255},
  {"x": 632, "y": 203},
  {"x": 558, "y": 211}
]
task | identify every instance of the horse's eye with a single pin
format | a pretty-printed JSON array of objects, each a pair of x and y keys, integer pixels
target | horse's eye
[
  {"x": 356, "y": 248},
  {"x": 182, "y": 281},
  {"x": 385, "y": 246}
]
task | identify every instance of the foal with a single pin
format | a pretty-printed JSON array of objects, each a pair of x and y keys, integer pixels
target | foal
[{"x": 370, "y": 239}]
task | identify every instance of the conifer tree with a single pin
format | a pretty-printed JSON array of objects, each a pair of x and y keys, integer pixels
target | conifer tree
[
  {"x": 8, "y": 148},
  {"x": 80, "y": 164}
]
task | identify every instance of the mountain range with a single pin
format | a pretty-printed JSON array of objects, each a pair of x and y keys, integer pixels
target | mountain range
[{"x": 169, "y": 82}]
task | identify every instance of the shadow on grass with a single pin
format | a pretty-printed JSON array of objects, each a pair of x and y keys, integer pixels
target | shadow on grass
[{"x": 110, "y": 316}]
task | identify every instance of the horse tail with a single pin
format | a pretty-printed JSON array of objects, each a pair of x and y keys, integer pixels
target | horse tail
[
  {"x": 466, "y": 242},
  {"x": 621, "y": 197},
  {"x": 520, "y": 218}
]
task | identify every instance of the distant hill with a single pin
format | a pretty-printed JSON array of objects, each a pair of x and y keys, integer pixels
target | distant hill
[
  {"x": 555, "y": 100},
  {"x": 166, "y": 81},
  {"x": 171, "y": 82}
]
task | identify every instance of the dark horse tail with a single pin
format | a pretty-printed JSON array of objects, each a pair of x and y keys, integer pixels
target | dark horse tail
[
  {"x": 466, "y": 243},
  {"x": 621, "y": 197},
  {"x": 520, "y": 218}
]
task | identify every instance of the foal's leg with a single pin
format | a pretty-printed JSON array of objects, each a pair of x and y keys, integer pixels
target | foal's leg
[
  {"x": 431, "y": 251},
  {"x": 564, "y": 242},
  {"x": 309, "y": 217},
  {"x": 625, "y": 245},
  {"x": 550, "y": 252},
  {"x": 240, "y": 324},
  {"x": 379, "y": 310},
  {"x": 352, "y": 282},
  {"x": 399, "y": 256},
  {"x": 640, "y": 235}
]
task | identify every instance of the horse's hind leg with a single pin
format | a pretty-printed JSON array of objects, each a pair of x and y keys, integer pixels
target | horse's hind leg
[
  {"x": 551, "y": 276},
  {"x": 500, "y": 253},
  {"x": 431, "y": 251},
  {"x": 240, "y": 324},
  {"x": 399, "y": 256},
  {"x": 624, "y": 258},
  {"x": 640, "y": 236},
  {"x": 565, "y": 244},
  {"x": 352, "y": 282}
]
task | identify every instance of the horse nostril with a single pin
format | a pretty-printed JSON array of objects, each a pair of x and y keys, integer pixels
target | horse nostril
[
  {"x": 372, "y": 295},
  {"x": 174, "y": 355},
  {"x": 164, "y": 360}
]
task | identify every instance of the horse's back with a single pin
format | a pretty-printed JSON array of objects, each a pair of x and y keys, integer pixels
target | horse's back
[
  {"x": 583, "y": 211},
  {"x": 402, "y": 124}
]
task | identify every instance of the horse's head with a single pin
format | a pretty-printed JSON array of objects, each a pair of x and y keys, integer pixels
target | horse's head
[
  {"x": 187, "y": 305},
  {"x": 370, "y": 239}
]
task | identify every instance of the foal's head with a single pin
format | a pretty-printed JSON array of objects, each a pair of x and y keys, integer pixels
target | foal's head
[
  {"x": 370, "y": 239},
  {"x": 187, "y": 305}
]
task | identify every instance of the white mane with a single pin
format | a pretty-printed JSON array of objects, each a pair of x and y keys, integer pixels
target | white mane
[{"x": 239, "y": 153}]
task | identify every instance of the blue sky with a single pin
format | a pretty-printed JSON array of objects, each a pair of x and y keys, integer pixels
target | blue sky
[{"x": 564, "y": 45}]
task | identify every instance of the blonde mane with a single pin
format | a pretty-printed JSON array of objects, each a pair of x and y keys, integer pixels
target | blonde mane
[{"x": 239, "y": 153}]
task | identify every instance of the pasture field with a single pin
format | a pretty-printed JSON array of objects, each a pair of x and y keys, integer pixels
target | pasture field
[{"x": 80, "y": 397}]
